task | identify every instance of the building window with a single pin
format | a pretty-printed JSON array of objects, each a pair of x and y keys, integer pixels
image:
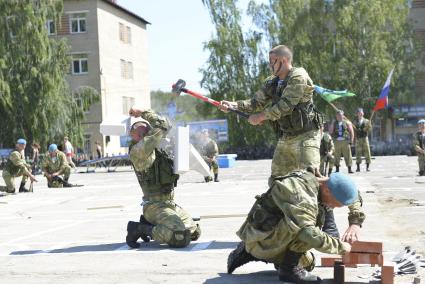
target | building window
[
  {"x": 79, "y": 64},
  {"x": 126, "y": 69},
  {"x": 51, "y": 28},
  {"x": 78, "y": 23},
  {"x": 124, "y": 33},
  {"x": 127, "y": 103}
]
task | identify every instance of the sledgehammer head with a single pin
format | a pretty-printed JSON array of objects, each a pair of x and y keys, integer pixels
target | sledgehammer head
[{"x": 178, "y": 86}]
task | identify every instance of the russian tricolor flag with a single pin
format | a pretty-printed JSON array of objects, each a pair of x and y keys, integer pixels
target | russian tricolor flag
[{"x": 382, "y": 101}]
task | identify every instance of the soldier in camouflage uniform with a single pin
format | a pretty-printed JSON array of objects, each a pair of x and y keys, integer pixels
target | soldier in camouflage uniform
[
  {"x": 209, "y": 152},
  {"x": 16, "y": 166},
  {"x": 54, "y": 166},
  {"x": 419, "y": 144},
  {"x": 162, "y": 220},
  {"x": 284, "y": 224},
  {"x": 342, "y": 133},
  {"x": 286, "y": 100},
  {"x": 326, "y": 154},
  {"x": 362, "y": 127}
]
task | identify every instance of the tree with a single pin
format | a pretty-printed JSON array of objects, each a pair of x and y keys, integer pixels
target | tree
[
  {"x": 342, "y": 44},
  {"x": 35, "y": 101}
]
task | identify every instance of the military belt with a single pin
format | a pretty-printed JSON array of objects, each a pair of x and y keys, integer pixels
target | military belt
[{"x": 160, "y": 197}]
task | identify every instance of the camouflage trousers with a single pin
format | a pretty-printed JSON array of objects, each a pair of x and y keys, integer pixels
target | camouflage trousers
[
  {"x": 362, "y": 149},
  {"x": 329, "y": 159},
  {"x": 342, "y": 148},
  {"x": 421, "y": 162},
  {"x": 296, "y": 152},
  {"x": 66, "y": 174},
  {"x": 10, "y": 181},
  {"x": 213, "y": 165},
  {"x": 167, "y": 218}
]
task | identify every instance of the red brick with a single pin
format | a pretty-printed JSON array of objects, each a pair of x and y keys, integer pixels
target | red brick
[
  {"x": 387, "y": 274},
  {"x": 369, "y": 247},
  {"x": 328, "y": 261},
  {"x": 363, "y": 258}
]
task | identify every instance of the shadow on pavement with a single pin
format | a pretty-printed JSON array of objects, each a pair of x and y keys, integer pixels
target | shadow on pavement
[{"x": 151, "y": 246}]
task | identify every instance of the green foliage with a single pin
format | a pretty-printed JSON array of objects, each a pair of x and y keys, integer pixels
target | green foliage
[
  {"x": 35, "y": 101},
  {"x": 342, "y": 44}
]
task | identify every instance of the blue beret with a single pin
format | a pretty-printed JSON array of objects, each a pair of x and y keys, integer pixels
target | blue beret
[
  {"x": 421, "y": 121},
  {"x": 342, "y": 188},
  {"x": 21, "y": 141},
  {"x": 53, "y": 147}
]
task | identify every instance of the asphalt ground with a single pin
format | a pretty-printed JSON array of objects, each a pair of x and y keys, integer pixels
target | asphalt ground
[{"x": 77, "y": 235}]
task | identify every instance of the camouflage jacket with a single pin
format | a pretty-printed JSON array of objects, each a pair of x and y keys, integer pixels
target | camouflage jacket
[
  {"x": 209, "y": 149},
  {"x": 16, "y": 164},
  {"x": 362, "y": 129},
  {"x": 419, "y": 140},
  {"x": 326, "y": 144},
  {"x": 297, "y": 88},
  {"x": 50, "y": 165}
]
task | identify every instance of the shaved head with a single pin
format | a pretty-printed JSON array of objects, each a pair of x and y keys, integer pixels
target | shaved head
[{"x": 282, "y": 51}]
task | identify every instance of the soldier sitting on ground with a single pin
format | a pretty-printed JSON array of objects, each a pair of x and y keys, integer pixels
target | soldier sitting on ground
[
  {"x": 284, "y": 224},
  {"x": 209, "y": 152},
  {"x": 162, "y": 220},
  {"x": 16, "y": 166},
  {"x": 419, "y": 144},
  {"x": 54, "y": 166}
]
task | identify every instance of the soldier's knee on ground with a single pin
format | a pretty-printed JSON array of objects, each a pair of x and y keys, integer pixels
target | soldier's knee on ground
[
  {"x": 180, "y": 239},
  {"x": 196, "y": 234}
]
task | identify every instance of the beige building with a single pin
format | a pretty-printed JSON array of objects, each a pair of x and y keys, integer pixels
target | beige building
[{"x": 109, "y": 53}]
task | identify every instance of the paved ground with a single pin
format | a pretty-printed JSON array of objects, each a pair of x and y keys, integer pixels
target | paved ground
[{"x": 77, "y": 235}]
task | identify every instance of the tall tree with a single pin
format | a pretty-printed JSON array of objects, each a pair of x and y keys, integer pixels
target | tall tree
[{"x": 35, "y": 101}]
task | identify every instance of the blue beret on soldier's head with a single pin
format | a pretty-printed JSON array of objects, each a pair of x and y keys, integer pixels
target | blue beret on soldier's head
[
  {"x": 21, "y": 141},
  {"x": 342, "y": 188},
  {"x": 421, "y": 121},
  {"x": 53, "y": 147}
]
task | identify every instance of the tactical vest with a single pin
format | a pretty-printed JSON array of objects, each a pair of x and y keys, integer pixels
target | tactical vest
[
  {"x": 360, "y": 129},
  {"x": 159, "y": 179},
  {"x": 421, "y": 140},
  {"x": 265, "y": 214},
  {"x": 303, "y": 118},
  {"x": 345, "y": 132},
  {"x": 10, "y": 167},
  {"x": 325, "y": 147}
]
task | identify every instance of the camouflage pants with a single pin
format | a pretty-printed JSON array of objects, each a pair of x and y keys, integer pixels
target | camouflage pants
[
  {"x": 362, "y": 149},
  {"x": 326, "y": 159},
  {"x": 296, "y": 152},
  {"x": 421, "y": 162},
  {"x": 167, "y": 218},
  {"x": 10, "y": 181},
  {"x": 66, "y": 174},
  {"x": 212, "y": 164},
  {"x": 342, "y": 148}
]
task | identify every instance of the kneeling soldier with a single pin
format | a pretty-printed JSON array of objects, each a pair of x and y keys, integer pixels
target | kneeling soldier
[
  {"x": 284, "y": 224},
  {"x": 16, "y": 166},
  {"x": 162, "y": 220},
  {"x": 54, "y": 166}
]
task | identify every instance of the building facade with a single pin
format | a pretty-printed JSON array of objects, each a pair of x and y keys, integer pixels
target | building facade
[{"x": 108, "y": 47}]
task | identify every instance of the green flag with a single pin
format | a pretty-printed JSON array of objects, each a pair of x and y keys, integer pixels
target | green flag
[{"x": 331, "y": 95}]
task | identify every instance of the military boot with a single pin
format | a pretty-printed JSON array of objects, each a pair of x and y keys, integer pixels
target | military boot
[
  {"x": 358, "y": 168},
  {"x": 216, "y": 178},
  {"x": 238, "y": 257},
  {"x": 66, "y": 183},
  {"x": 329, "y": 227},
  {"x": 336, "y": 169},
  {"x": 208, "y": 179},
  {"x": 421, "y": 173},
  {"x": 136, "y": 230},
  {"x": 22, "y": 188},
  {"x": 329, "y": 172},
  {"x": 367, "y": 167},
  {"x": 289, "y": 271},
  {"x": 350, "y": 171}
]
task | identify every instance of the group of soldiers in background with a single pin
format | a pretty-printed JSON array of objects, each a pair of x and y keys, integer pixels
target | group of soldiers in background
[
  {"x": 54, "y": 165},
  {"x": 337, "y": 143}
]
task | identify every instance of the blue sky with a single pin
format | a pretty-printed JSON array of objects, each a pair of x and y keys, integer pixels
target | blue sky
[{"x": 175, "y": 39}]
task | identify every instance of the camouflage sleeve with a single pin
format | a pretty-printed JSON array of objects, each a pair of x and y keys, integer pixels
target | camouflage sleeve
[
  {"x": 256, "y": 104},
  {"x": 298, "y": 90},
  {"x": 313, "y": 237},
  {"x": 16, "y": 159},
  {"x": 332, "y": 146},
  {"x": 367, "y": 125},
  {"x": 356, "y": 215},
  {"x": 156, "y": 120},
  {"x": 214, "y": 148},
  {"x": 147, "y": 145},
  {"x": 63, "y": 163}
]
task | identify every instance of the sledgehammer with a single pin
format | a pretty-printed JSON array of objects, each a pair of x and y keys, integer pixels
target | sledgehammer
[{"x": 179, "y": 87}]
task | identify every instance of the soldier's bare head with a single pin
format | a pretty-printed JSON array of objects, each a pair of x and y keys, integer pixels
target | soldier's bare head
[
  {"x": 280, "y": 61},
  {"x": 360, "y": 112}
]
